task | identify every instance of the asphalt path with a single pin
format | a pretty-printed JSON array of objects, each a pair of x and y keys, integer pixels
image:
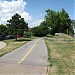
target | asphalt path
[{"x": 33, "y": 53}]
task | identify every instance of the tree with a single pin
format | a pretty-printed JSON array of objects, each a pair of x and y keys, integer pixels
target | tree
[
  {"x": 54, "y": 22},
  {"x": 73, "y": 23},
  {"x": 65, "y": 22},
  {"x": 44, "y": 28},
  {"x": 58, "y": 21},
  {"x": 51, "y": 20},
  {"x": 35, "y": 31},
  {"x": 17, "y": 25},
  {"x": 41, "y": 30},
  {"x": 3, "y": 30}
]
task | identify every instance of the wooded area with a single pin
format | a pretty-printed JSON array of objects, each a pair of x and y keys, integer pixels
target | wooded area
[{"x": 54, "y": 22}]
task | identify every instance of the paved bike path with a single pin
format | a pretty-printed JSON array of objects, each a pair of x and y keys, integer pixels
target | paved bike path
[{"x": 33, "y": 53}]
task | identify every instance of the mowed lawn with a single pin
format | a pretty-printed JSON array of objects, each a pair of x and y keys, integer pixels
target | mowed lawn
[
  {"x": 61, "y": 57},
  {"x": 12, "y": 44}
]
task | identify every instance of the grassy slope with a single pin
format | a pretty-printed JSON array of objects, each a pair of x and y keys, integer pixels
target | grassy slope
[{"x": 61, "y": 57}]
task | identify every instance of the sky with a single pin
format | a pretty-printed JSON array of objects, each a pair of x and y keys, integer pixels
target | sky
[{"x": 33, "y": 11}]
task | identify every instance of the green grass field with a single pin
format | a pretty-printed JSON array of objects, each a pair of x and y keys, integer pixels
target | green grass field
[
  {"x": 61, "y": 57},
  {"x": 12, "y": 44}
]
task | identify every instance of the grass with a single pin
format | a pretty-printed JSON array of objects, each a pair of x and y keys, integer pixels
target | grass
[
  {"x": 61, "y": 57},
  {"x": 12, "y": 44}
]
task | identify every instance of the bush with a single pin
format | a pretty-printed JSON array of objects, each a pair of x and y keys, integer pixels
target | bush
[
  {"x": 27, "y": 34},
  {"x": 49, "y": 36}
]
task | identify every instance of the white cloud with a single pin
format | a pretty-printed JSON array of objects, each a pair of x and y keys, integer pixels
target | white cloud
[
  {"x": 8, "y": 9},
  {"x": 35, "y": 23}
]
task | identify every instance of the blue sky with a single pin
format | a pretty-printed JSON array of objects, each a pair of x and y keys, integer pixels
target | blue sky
[
  {"x": 33, "y": 11},
  {"x": 37, "y": 7}
]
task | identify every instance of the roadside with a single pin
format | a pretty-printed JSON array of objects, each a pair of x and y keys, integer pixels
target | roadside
[{"x": 61, "y": 54}]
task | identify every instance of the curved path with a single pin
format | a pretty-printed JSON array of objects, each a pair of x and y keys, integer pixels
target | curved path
[{"x": 30, "y": 58}]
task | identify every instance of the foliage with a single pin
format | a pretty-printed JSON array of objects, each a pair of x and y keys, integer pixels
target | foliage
[
  {"x": 73, "y": 22},
  {"x": 54, "y": 22},
  {"x": 59, "y": 22},
  {"x": 17, "y": 25},
  {"x": 27, "y": 34},
  {"x": 41, "y": 30},
  {"x": 3, "y": 30}
]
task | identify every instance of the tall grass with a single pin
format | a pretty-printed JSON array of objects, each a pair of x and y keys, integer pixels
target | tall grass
[{"x": 61, "y": 57}]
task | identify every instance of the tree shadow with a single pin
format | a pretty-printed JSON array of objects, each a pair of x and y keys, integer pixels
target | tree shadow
[{"x": 20, "y": 40}]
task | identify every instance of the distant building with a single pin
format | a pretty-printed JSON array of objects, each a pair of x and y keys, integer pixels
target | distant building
[{"x": 58, "y": 34}]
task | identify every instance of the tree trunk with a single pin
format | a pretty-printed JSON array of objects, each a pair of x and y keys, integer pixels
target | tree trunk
[{"x": 16, "y": 34}]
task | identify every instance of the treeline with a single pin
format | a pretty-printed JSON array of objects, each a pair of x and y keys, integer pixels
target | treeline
[
  {"x": 54, "y": 22},
  {"x": 16, "y": 26}
]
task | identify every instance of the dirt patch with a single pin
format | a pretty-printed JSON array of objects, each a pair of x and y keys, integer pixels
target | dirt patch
[
  {"x": 54, "y": 54},
  {"x": 74, "y": 71},
  {"x": 53, "y": 70},
  {"x": 73, "y": 57}
]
